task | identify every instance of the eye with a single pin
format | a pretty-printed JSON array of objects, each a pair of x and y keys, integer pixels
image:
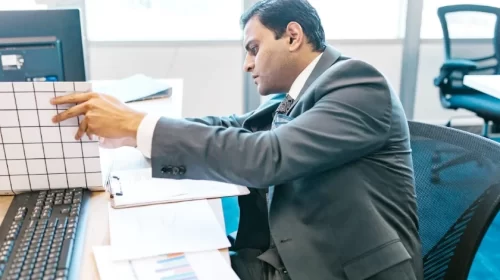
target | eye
[{"x": 254, "y": 50}]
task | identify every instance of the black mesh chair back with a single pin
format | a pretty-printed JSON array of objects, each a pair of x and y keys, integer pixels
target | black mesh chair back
[{"x": 455, "y": 211}]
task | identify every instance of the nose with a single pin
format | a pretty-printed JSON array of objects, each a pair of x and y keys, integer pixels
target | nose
[{"x": 248, "y": 64}]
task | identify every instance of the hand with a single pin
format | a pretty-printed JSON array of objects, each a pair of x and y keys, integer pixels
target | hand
[{"x": 105, "y": 116}]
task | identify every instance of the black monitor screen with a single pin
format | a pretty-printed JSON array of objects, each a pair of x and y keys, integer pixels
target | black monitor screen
[{"x": 41, "y": 45}]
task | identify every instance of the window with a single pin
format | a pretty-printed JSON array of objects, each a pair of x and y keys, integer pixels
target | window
[
  {"x": 460, "y": 25},
  {"x": 362, "y": 19},
  {"x": 160, "y": 20}
]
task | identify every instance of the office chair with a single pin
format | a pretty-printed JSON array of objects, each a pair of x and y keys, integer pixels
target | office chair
[
  {"x": 453, "y": 94},
  {"x": 455, "y": 214}
]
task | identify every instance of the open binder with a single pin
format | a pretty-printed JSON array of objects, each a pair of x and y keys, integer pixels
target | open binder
[{"x": 136, "y": 187}]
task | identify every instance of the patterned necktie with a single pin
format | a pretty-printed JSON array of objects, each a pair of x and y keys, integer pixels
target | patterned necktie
[{"x": 285, "y": 105}]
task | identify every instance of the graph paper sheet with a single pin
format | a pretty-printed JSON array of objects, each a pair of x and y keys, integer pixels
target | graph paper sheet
[{"x": 35, "y": 153}]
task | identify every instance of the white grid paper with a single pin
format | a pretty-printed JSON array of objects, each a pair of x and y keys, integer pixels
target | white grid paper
[{"x": 35, "y": 153}]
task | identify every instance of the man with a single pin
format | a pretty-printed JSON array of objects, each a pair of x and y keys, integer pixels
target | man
[{"x": 335, "y": 156}]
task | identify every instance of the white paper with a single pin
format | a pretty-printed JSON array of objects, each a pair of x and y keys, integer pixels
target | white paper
[
  {"x": 139, "y": 188},
  {"x": 160, "y": 229},
  {"x": 208, "y": 265},
  {"x": 109, "y": 269},
  {"x": 134, "y": 87}
]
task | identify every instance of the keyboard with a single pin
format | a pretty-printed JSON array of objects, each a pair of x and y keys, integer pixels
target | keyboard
[{"x": 42, "y": 235}]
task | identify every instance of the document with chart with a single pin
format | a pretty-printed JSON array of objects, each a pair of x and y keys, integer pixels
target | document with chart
[
  {"x": 37, "y": 154},
  {"x": 204, "y": 265}
]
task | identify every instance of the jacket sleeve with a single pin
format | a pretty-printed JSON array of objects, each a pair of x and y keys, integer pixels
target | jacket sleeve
[
  {"x": 350, "y": 119},
  {"x": 226, "y": 122}
]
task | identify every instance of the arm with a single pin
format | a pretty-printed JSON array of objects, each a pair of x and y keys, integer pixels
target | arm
[
  {"x": 350, "y": 119},
  {"x": 230, "y": 121},
  {"x": 234, "y": 120}
]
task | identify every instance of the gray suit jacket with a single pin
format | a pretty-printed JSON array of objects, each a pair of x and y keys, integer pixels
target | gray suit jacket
[{"x": 344, "y": 201}]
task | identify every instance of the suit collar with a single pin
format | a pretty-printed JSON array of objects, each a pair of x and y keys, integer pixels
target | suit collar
[{"x": 329, "y": 57}]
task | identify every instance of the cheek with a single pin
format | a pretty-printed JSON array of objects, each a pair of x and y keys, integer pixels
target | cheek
[{"x": 264, "y": 62}]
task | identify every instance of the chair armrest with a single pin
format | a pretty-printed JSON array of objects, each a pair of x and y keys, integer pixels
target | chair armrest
[{"x": 461, "y": 65}]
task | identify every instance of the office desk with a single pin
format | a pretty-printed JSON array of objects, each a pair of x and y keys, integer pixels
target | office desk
[
  {"x": 97, "y": 227},
  {"x": 489, "y": 84}
]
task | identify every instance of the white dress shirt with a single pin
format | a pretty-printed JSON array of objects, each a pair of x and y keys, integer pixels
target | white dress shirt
[{"x": 147, "y": 127}]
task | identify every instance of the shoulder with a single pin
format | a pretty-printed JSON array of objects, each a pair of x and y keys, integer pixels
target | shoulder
[
  {"x": 355, "y": 81},
  {"x": 352, "y": 72},
  {"x": 358, "y": 86}
]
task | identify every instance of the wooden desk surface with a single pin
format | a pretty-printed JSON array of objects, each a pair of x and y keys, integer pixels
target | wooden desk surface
[{"x": 97, "y": 227}]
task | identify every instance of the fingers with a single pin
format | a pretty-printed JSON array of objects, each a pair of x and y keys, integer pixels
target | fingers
[
  {"x": 82, "y": 129},
  {"x": 73, "y": 98},
  {"x": 74, "y": 111}
]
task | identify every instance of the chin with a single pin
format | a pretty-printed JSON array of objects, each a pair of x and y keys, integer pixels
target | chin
[{"x": 263, "y": 91}]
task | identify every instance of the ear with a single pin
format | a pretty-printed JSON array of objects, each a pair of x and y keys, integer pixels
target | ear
[{"x": 295, "y": 36}]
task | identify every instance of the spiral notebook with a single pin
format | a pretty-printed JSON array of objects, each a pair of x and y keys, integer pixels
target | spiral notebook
[{"x": 136, "y": 187}]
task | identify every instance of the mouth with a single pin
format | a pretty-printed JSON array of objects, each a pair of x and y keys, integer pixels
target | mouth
[{"x": 255, "y": 78}]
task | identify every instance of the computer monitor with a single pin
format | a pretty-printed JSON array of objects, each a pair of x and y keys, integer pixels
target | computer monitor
[{"x": 41, "y": 45}]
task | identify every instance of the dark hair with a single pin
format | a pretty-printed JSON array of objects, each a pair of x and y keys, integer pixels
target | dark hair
[{"x": 277, "y": 14}]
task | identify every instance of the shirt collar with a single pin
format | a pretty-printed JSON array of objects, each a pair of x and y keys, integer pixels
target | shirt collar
[{"x": 301, "y": 79}]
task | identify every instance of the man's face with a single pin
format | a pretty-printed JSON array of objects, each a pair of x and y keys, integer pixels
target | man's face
[{"x": 267, "y": 58}]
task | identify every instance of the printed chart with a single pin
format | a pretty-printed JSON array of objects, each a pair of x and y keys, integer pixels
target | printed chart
[{"x": 165, "y": 268}]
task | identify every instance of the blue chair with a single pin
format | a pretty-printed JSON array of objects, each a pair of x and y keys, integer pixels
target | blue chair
[
  {"x": 455, "y": 214},
  {"x": 454, "y": 94}
]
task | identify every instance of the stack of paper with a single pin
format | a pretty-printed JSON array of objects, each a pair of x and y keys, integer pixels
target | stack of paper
[
  {"x": 163, "y": 228},
  {"x": 164, "y": 240}
]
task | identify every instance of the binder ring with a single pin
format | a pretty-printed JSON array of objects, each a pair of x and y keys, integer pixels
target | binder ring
[{"x": 110, "y": 190}]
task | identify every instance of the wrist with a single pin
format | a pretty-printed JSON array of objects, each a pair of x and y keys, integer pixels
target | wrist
[{"x": 133, "y": 123}]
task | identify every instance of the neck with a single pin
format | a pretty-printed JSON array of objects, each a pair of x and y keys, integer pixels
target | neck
[{"x": 303, "y": 60}]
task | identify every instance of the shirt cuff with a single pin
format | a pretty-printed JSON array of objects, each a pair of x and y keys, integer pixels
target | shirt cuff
[{"x": 145, "y": 134}]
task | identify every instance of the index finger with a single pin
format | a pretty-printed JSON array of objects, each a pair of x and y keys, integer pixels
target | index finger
[
  {"x": 73, "y": 98},
  {"x": 74, "y": 111}
]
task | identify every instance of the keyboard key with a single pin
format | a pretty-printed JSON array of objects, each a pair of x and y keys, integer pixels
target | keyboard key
[
  {"x": 40, "y": 264},
  {"x": 51, "y": 272},
  {"x": 38, "y": 270},
  {"x": 37, "y": 275},
  {"x": 15, "y": 271},
  {"x": 65, "y": 258},
  {"x": 62, "y": 273}
]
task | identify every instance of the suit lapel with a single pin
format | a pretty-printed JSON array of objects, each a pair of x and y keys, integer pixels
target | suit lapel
[
  {"x": 329, "y": 57},
  {"x": 263, "y": 115}
]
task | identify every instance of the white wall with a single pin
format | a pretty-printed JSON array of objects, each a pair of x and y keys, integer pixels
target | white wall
[
  {"x": 213, "y": 80},
  {"x": 212, "y": 72}
]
